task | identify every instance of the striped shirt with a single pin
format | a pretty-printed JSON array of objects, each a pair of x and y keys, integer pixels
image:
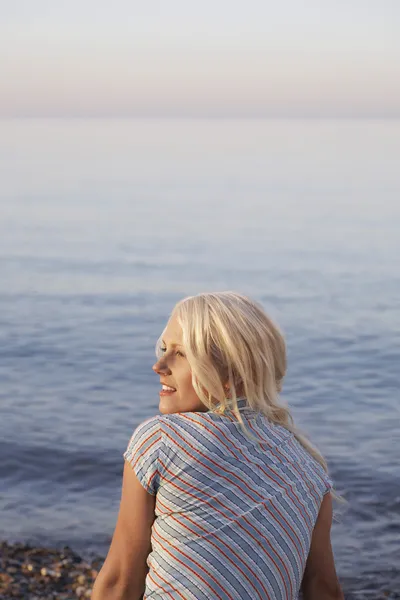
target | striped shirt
[{"x": 234, "y": 518}]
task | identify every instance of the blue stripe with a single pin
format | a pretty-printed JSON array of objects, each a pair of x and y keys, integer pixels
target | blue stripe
[{"x": 215, "y": 486}]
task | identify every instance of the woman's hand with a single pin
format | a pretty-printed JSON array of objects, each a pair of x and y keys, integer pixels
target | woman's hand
[{"x": 123, "y": 574}]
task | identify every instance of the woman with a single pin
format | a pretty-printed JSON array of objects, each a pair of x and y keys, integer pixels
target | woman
[{"x": 222, "y": 498}]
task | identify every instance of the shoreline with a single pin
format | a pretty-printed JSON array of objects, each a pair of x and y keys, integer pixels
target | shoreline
[{"x": 30, "y": 572}]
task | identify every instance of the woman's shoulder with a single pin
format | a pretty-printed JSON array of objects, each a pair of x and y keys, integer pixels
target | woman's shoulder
[
  {"x": 174, "y": 421},
  {"x": 187, "y": 427},
  {"x": 200, "y": 424}
]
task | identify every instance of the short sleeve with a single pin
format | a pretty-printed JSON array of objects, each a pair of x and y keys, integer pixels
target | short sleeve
[
  {"x": 143, "y": 451},
  {"x": 328, "y": 484}
]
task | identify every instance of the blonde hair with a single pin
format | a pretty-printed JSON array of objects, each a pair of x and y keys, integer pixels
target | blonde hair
[{"x": 229, "y": 340}]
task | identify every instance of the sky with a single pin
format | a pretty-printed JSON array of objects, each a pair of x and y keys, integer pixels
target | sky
[{"x": 214, "y": 58}]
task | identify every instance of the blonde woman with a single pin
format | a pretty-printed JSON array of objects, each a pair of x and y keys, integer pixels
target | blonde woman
[{"x": 221, "y": 498}]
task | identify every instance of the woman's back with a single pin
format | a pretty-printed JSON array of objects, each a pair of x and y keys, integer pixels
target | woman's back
[{"x": 234, "y": 518}]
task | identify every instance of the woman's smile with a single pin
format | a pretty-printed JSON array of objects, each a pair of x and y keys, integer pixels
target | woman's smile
[{"x": 167, "y": 390}]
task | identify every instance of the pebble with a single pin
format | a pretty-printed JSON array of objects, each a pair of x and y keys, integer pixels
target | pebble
[{"x": 31, "y": 573}]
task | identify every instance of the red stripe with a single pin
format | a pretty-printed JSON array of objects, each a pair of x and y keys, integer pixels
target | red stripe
[
  {"x": 147, "y": 449},
  {"x": 314, "y": 464},
  {"x": 240, "y": 558},
  {"x": 280, "y": 514},
  {"x": 283, "y": 562},
  {"x": 152, "y": 477},
  {"x": 191, "y": 570},
  {"x": 219, "y": 511},
  {"x": 221, "y": 551},
  {"x": 262, "y": 499},
  {"x": 312, "y": 491},
  {"x": 303, "y": 509},
  {"x": 214, "y": 463},
  {"x": 159, "y": 588},
  {"x": 285, "y": 486},
  {"x": 212, "y": 433}
]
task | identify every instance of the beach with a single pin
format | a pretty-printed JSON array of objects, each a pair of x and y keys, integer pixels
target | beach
[
  {"x": 33, "y": 573},
  {"x": 30, "y": 573}
]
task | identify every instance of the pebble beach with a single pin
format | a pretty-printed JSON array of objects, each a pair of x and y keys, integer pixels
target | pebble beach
[
  {"x": 30, "y": 573},
  {"x": 38, "y": 573}
]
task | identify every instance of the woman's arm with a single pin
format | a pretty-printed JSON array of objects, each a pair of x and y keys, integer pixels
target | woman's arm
[
  {"x": 122, "y": 576},
  {"x": 320, "y": 581}
]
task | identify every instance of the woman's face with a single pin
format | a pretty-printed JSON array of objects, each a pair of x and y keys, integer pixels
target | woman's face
[{"x": 174, "y": 371}]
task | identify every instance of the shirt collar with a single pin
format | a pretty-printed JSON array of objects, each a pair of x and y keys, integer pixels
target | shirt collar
[{"x": 241, "y": 404}]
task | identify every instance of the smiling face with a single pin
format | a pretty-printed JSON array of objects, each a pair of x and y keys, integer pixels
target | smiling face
[{"x": 174, "y": 371}]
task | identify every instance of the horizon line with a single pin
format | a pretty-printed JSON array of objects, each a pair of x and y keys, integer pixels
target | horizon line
[{"x": 203, "y": 117}]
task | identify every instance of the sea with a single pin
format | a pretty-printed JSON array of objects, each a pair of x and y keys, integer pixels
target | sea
[{"x": 106, "y": 223}]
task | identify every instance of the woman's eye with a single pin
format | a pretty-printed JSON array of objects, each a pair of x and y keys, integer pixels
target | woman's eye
[{"x": 164, "y": 349}]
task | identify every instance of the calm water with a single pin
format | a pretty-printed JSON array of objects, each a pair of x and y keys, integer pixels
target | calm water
[{"x": 106, "y": 224}]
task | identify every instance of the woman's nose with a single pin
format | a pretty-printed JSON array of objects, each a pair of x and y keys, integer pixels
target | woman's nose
[{"x": 160, "y": 367}]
